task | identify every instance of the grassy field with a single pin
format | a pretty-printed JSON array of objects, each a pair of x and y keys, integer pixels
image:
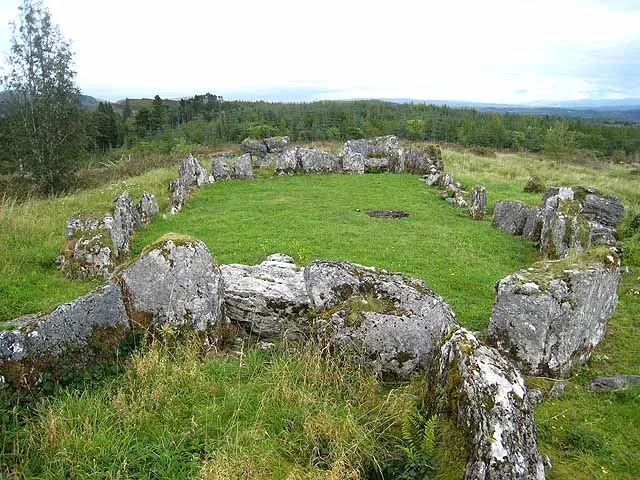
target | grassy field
[{"x": 278, "y": 416}]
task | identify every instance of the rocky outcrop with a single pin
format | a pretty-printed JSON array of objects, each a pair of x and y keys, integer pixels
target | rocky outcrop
[
  {"x": 179, "y": 192},
  {"x": 147, "y": 208},
  {"x": 314, "y": 160},
  {"x": 222, "y": 166},
  {"x": 192, "y": 172},
  {"x": 77, "y": 330},
  {"x": 487, "y": 397},
  {"x": 478, "y": 207},
  {"x": 287, "y": 162},
  {"x": 550, "y": 318},
  {"x": 173, "y": 284},
  {"x": 387, "y": 319},
  {"x": 242, "y": 167},
  {"x": 268, "y": 299}
]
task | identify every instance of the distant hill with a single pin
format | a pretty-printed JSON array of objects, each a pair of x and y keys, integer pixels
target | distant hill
[
  {"x": 619, "y": 110},
  {"x": 86, "y": 101}
]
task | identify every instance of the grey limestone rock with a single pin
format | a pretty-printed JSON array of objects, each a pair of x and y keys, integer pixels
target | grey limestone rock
[
  {"x": 254, "y": 147},
  {"x": 287, "y": 162},
  {"x": 242, "y": 167},
  {"x": 84, "y": 222},
  {"x": 424, "y": 160},
  {"x": 564, "y": 228},
  {"x": 268, "y": 299},
  {"x": 147, "y": 207},
  {"x": 387, "y": 319},
  {"x": 221, "y": 166},
  {"x": 487, "y": 397},
  {"x": 126, "y": 220},
  {"x": 192, "y": 172},
  {"x": 353, "y": 163},
  {"x": 532, "y": 228},
  {"x": 276, "y": 144},
  {"x": 613, "y": 383},
  {"x": 510, "y": 216},
  {"x": 88, "y": 255},
  {"x": 35, "y": 341},
  {"x": 314, "y": 160},
  {"x": 552, "y": 316},
  {"x": 478, "y": 207},
  {"x": 387, "y": 148},
  {"x": 174, "y": 283},
  {"x": 179, "y": 191}
]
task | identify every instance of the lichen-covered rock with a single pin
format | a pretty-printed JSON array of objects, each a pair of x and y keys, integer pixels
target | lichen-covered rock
[
  {"x": 487, "y": 397},
  {"x": 126, "y": 220},
  {"x": 31, "y": 345},
  {"x": 179, "y": 191},
  {"x": 613, "y": 383},
  {"x": 387, "y": 319},
  {"x": 147, "y": 207},
  {"x": 287, "y": 162},
  {"x": 276, "y": 144},
  {"x": 552, "y": 316},
  {"x": 532, "y": 228},
  {"x": 387, "y": 148},
  {"x": 424, "y": 160},
  {"x": 534, "y": 185},
  {"x": 314, "y": 160},
  {"x": 268, "y": 299},
  {"x": 84, "y": 222},
  {"x": 254, "y": 147},
  {"x": 478, "y": 207},
  {"x": 564, "y": 228},
  {"x": 242, "y": 167},
  {"x": 192, "y": 172},
  {"x": 174, "y": 283},
  {"x": 88, "y": 255},
  {"x": 353, "y": 163},
  {"x": 360, "y": 146},
  {"x": 510, "y": 216},
  {"x": 220, "y": 168}
]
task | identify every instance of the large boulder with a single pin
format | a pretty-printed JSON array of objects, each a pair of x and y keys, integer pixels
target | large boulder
[
  {"x": 315, "y": 160},
  {"x": 90, "y": 325},
  {"x": 510, "y": 216},
  {"x": 564, "y": 228},
  {"x": 179, "y": 191},
  {"x": 174, "y": 284},
  {"x": 147, "y": 207},
  {"x": 88, "y": 250},
  {"x": 242, "y": 167},
  {"x": 287, "y": 162},
  {"x": 276, "y": 144},
  {"x": 385, "y": 153},
  {"x": 550, "y": 318},
  {"x": 269, "y": 299},
  {"x": 353, "y": 163},
  {"x": 385, "y": 318},
  {"x": 221, "y": 166},
  {"x": 424, "y": 160},
  {"x": 485, "y": 395},
  {"x": 254, "y": 147},
  {"x": 192, "y": 172}
]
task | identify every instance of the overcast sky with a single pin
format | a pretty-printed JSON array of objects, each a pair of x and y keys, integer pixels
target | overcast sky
[{"x": 504, "y": 51}]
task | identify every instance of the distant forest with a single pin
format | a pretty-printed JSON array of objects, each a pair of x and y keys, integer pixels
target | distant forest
[
  {"x": 152, "y": 126},
  {"x": 210, "y": 120}
]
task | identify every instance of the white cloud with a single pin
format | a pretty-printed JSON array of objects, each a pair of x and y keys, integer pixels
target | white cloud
[{"x": 497, "y": 50}]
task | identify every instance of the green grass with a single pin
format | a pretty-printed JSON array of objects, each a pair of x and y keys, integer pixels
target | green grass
[
  {"x": 317, "y": 217},
  {"x": 284, "y": 416}
]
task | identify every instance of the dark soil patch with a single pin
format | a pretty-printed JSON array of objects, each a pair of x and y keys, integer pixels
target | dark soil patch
[{"x": 387, "y": 213}]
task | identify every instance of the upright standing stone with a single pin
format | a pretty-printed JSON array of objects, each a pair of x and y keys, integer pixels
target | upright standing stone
[
  {"x": 179, "y": 193},
  {"x": 220, "y": 168},
  {"x": 192, "y": 172},
  {"x": 147, "y": 207},
  {"x": 478, "y": 207},
  {"x": 243, "y": 168}
]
